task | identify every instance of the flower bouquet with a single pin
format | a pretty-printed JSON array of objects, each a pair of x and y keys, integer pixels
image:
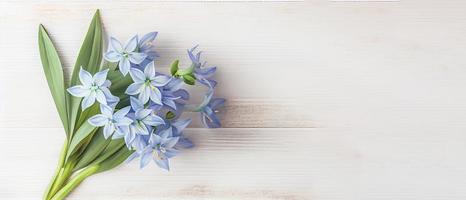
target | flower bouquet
[{"x": 116, "y": 107}]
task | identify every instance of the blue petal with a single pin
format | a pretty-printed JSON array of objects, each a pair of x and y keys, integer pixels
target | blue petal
[
  {"x": 136, "y": 104},
  {"x": 180, "y": 125},
  {"x": 98, "y": 120},
  {"x": 134, "y": 88},
  {"x": 145, "y": 159},
  {"x": 153, "y": 120},
  {"x": 116, "y": 45},
  {"x": 85, "y": 77},
  {"x": 131, "y": 44},
  {"x": 206, "y": 72},
  {"x": 108, "y": 130},
  {"x": 129, "y": 138},
  {"x": 142, "y": 113},
  {"x": 155, "y": 95},
  {"x": 168, "y": 131},
  {"x": 100, "y": 96},
  {"x": 211, "y": 121},
  {"x": 112, "y": 56},
  {"x": 155, "y": 139},
  {"x": 132, "y": 157},
  {"x": 88, "y": 101},
  {"x": 124, "y": 66},
  {"x": 100, "y": 77},
  {"x": 217, "y": 102},
  {"x": 144, "y": 95},
  {"x": 78, "y": 91},
  {"x": 137, "y": 75},
  {"x": 149, "y": 70},
  {"x": 171, "y": 142},
  {"x": 184, "y": 143},
  {"x": 182, "y": 93},
  {"x": 147, "y": 39},
  {"x": 170, "y": 103},
  {"x": 122, "y": 112},
  {"x": 106, "y": 110},
  {"x": 163, "y": 163},
  {"x": 137, "y": 58},
  {"x": 160, "y": 80},
  {"x": 125, "y": 121}
]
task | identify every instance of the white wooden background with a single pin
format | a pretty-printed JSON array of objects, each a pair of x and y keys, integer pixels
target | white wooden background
[{"x": 327, "y": 100}]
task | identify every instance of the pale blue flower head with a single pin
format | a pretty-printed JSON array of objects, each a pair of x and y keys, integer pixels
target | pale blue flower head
[
  {"x": 142, "y": 121},
  {"x": 203, "y": 74},
  {"x": 93, "y": 88},
  {"x": 112, "y": 122},
  {"x": 174, "y": 128},
  {"x": 147, "y": 84},
  {"x": 208, "y": 109},
  {"x": 160, "y": 149},
  {"x": 146, "y": 45},
  {"x": 125, "y": 55}
]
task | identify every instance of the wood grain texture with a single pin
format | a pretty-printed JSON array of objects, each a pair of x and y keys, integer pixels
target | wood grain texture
[{"x": 327, "y": 100}]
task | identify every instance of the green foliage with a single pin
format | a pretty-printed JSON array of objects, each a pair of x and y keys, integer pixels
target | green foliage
[
  {"x": 54, "y": 73},
  {"x": 86, "y": 151},
  {"x": 89, "y": 58}
]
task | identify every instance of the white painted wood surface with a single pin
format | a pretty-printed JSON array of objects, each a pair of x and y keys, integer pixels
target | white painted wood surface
[{"x": 327, "y": 100}]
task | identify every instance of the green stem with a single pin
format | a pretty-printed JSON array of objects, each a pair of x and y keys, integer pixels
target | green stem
[
  {"x": 75, "y": 181},
  {"x": 61, "y": 161},
  {"x": 65, "y": 173}
]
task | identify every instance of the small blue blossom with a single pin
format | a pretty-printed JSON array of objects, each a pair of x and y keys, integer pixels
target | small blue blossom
[
  {"x": 208, "y": 109},
  {"x": 142, "y": 121},
  {"x": 125, "y": 56},
  {"x": 147, "y": 84},
  {"x": 93, "y": 88},
  {"x": 111, "y": 121},
  {"x": 174, "y": 128},
  {"x": 160, "y": 149},
  {"x": 203, "y": 74},
  {"x": 146, "y": 45}
]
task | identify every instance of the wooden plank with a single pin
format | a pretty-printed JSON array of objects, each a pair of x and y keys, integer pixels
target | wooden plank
[{"x": 260, "y": 164}]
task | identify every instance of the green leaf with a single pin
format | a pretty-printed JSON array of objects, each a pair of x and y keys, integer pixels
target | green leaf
[
  {"x": 93, "y": 149},
  {"x": 111, "y": 148},
  {"x": 189, "y": 79},
  {"x": 85, "y": 130},
  {"x": 89, "y": 58},
  {"x": 116, "y": 159},
  {"x": 174, "y": 67},
  {"x": 54, "y": 73}
]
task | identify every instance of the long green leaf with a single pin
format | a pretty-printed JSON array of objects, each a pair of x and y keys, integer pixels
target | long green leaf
[
  {"x": 54, "y": 73},
  {"x": 113, "y": 147},
  {"x": 84, "y": 131},
  {"x": 93, "y": 149},
  {"x": 89, "y": 58},
  {"x": 116, "y": 159}
]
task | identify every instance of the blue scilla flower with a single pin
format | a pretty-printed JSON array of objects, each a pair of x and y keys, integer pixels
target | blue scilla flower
[
  {"x": 112, "y": 122},
  {"x": 124, "y": 55},
  {"x": 147, "y": 84},
  {"x": 208, "y": 109},
  {"x": 142, "y": 121},
  {"x": 171, "y": 92},
  {"x": 146, "y": 45},
  {"x": 93, "y": 88},
  {"x": 160, "y": 149},
  {"x": 203, "y": 74},
  {"x": 174, "y": 128}
]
